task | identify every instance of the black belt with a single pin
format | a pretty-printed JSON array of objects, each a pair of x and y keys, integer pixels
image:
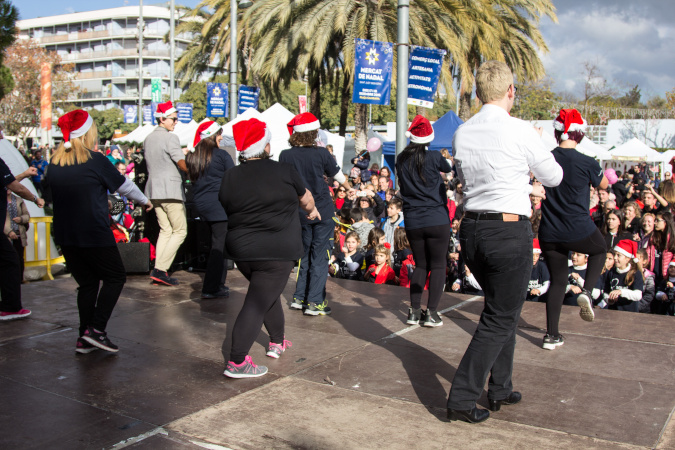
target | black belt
[{"x": 490, "y": 216}]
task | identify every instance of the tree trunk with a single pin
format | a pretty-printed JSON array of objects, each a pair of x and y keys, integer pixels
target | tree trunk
[
  {"x": 465, "y": 106},
  {"x": 315, "y": 94},
  {"x": 345, "y": 101},
  {"x": 420, "y": 111},
  {"x": 361, "y": 127}
]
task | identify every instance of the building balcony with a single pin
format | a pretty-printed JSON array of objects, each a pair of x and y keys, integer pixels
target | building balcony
[
  {"x": 109, "y": 54},
  {"x": 90, "y": 75},
  {"x": 93, "y": 35}
]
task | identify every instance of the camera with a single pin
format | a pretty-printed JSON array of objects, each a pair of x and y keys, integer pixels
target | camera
[{"x": 361, "y": 194}]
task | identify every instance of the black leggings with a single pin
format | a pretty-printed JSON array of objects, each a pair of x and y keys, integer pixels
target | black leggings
[
  {"x": 556, "y": 256},
  {"x": 430, "y": 248},
  {"x": 262, "y": 305}
]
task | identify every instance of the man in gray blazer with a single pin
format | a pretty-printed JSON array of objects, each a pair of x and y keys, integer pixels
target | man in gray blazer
[{"x": 164, "y": 157}]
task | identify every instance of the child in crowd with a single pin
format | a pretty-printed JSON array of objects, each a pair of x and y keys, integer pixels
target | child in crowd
[
  {"x": 342, "y": 227},
  {"x": 381, "y": 272},
  {"x": 393, "y": 220},
  {"x": 650, "y": 288},
  {"x": 361, "y": 225},
  {"x": 665, "y": 295},
  {"x": 375, "y": 238},
  {"x": 577, "y": 274},
  {"x": 624, "y": 283},
  {"x": 391, "y": 193},
  {"x": 540, "y": 279},
  {"x": 401, "y": 249},
  {"x": 349, "y": 262},
  {"x": 600, "y": 286}
]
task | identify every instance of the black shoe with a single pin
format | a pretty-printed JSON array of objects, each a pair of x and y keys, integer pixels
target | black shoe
[
  {"x": 553, "y": 342},
  {"x": 432, "y": 319},
  {"x": 161, "y": 277},
  {"x": 222, "y": 293},
  {"x": 99, "y": 340},
  {"x": 414, "y": 316},
  {"x": 512, "y": 399},
  {"x": 472, "y": 416},
  {"x": 84, "y": 347}
]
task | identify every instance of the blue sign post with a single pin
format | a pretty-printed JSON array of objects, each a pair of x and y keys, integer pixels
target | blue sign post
[
  {"x": 184, "y": 112},
  {"x": 130, "y": 113},
  {"x": 248, "y": 98},
  {"x": 216, "y": 100},
  {"x": 424, "y": 70},
  {"x": 148, "y": 114},
  {"x": 372, "y": 72}
]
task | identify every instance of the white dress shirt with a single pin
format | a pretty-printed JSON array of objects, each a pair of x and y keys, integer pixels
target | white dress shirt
[{"x": 494, "y": 154}]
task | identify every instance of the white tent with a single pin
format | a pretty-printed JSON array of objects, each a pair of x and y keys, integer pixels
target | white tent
[
  {"x": 277, "y": 117},
  {"x": 548, "y": 140},
  {"x": 186, "y": 132},
  {"x": 637, "y": 150},
  {"x": 138, "y": 135}
]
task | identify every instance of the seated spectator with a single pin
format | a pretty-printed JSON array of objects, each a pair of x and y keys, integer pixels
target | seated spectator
[
  {"x": 631, "y": 213},
  {"x": 664, "y": 299},
  {"x": 374, "y": 180},
  {"x": 348, "y": 262},
  {"x": 646, "y": 230},
  {"x": 614, "y": 228},
  {"x": 385, "y": 172},
  {"x": 577, "y": 275},
  {"x": 598, "y": 212},
  {"x": 121, "y": 168},
  {"x": 624, "y": 283},
  {"x": 361, "y": 225},
  {"x": 115, "y": 155},
  {"x": 381, "y": 272},
  {"x": 407, "y": 269},
  {"x": 375, "y": 169},
  {"x": 653, "y": 202},
  {"x": 391, "y": 193},
  {"x": 649, "y": 289},
  {"x": 540, "y": 279},
  {"x": 343, "y": 225},
  {"x": 401, "y": 249},
  {"x": 371, "y": 203},
  {"x": 393, "y": 220},
  {"x": 340, "y": 197},
  {"x": 375, "y": 238},
  {"x": 470, "y": 284},
  {"x": 382, "y": 187},
  {"x": 600, "y": 285}
]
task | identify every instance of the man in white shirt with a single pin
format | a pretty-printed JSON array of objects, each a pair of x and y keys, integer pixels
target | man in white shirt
[{"x": 494, "y": 154}]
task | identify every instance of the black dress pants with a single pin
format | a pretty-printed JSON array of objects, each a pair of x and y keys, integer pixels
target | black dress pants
[
  {"x": 91, "y": 266},
  {"x": 429, "y": 246},
  {"x": 499, "y": 254},
  {"x": 216, "y": 267},
  {"x": 10, "y": 277}
]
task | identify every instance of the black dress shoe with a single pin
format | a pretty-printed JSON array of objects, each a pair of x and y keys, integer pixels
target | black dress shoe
[
  {"x": 512, "y": 399},
  {"x": 474, "y": 415}
]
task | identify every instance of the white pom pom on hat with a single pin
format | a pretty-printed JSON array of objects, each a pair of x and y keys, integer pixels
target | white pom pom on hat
[{"x": 74, "y": 124}]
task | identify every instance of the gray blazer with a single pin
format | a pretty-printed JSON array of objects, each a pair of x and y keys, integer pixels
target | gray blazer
[{"x": 162, "y": 152}]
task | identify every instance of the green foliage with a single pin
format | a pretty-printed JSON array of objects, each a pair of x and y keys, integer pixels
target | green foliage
[
  {"x": 6, "y": 81},
  {"x": 109, "y": 120},
  {"x": 631, "y": 99},
  {"x": 535, "y": 100},
  {"x": 8, "y": 17}
]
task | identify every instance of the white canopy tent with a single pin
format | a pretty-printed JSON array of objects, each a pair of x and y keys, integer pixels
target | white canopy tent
[
  {"x": 138, "y": 135},
  {"x": 629, "y": 153},
  {"x": 186, "y": 132}
]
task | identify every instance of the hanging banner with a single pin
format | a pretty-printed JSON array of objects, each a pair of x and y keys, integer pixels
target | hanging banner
[
  {"x": 184, "y": 112},
  {"x": 248, "y": 97},
  {"x": 46, "y": 96},
  {"x": 424, "y": 69},
  {"x": 216, "y": 100},
  {"x": 130, "y": 114},
  {"x": 302, "y": 100},
  {"x": 148, "y": 114},
  {"x": 156, "y": 90},
  {"x": 372, "y": 72}
]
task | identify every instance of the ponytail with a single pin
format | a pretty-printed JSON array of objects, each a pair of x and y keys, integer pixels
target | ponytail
[{"x": 630, "y": 276}]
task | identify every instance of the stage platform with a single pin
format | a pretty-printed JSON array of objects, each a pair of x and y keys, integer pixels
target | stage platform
[{"x": 358, "y": 379}]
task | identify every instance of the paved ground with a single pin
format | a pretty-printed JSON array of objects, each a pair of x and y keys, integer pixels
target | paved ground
[{"x": 358, "y": 379}]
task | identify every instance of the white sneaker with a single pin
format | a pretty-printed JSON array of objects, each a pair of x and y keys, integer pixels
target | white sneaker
[{"x": 585, "y": 301}]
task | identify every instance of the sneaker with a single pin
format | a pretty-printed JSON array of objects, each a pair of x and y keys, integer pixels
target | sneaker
[
  {"x": 585, "y": 301},
  {"x": 432, "y": 319},
  {"x": 553, "y": 342},
  {"x": 222, "y": 293},
  {"x": 84, "y": 347},
  {"x": 100, "y": 340},
  {"x": 20, "y": 314},
  {"x": 318, "y": 309},
  {"x": 414, "y": 316},
  {"x": 299, "y": 304},
  {"x": 161, "y": 277},
  {"x": 244, "y": 370},
  {"x": 275, "y": 350}
]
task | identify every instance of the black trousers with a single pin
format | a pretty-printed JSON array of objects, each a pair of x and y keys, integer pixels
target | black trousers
[
  {"x": 556, "y": 254},
  {"x": 10, "y": 277},
  {"x": 216, "y": 267},
  {"x": 429, "y": 246},
  {"x": 499, "y": 254},
  {"x": 90, "y": 267},
  {"x": 262, "y": 305},
  {"x": 18, "y": 246}
]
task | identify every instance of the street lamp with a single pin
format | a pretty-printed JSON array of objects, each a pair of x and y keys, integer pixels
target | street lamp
[{"x": 243, "y": 4}]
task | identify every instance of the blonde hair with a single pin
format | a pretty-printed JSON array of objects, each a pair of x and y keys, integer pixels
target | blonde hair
[
  {"x": 79, "y": 152},
  {"x": 493, "y": 80},
  {"x": 381, "y": 249}
]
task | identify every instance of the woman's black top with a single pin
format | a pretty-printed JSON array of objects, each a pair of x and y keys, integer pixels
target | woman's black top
[
  {"x": 612, "y": 239},
  {"x": 260, "y": 198},
  {"x": 207, "y": 188}
]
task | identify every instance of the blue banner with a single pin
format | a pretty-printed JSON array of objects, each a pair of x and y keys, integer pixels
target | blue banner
[
  {"x": 372, "y": 72},
  {"x": 130, "y": 114},
  {"x": 248, "y": 98},
  {"x": 148, "y": 114},
  {"x": 184, "y": 112},
  {"x": 424, "y": 69},
  {"x": 216, "y": 100}
]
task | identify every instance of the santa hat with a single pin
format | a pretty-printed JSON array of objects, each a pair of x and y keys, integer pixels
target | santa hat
[
  {"x": 74, "y": 124},
  {"x": 303, "y": 122},
  {"x": 164, "y": 110},
  {"x": 627, "y": 248},
  {"x": 206, "y": 129},
  {"x": 569, "y": 120},
  {"x": 420, "y": 131},
  {"x": 250, "y": 137},
  {"x": 535, "y": 246}
]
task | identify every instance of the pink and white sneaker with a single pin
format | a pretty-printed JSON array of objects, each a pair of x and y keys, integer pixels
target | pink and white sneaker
[
  {"x": 244, "y": 370},
  {"x": 20, "y": 314},
  {"x": 275, "y": 350}
]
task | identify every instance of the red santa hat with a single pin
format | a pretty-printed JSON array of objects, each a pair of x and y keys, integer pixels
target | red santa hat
[
  {"x": 569, "y": 120},
  {"x": 205, "y": 129},
  {"x": 74, "y": 124},
  {"x": 628, "y": 248},
  {"x": 536, "y": 248},
  {"x": 164, "y": 110},
  {"x": 303, "y": 122},
  {"x": 250, "y": 137},
  {"x": 420, "y": 131}
]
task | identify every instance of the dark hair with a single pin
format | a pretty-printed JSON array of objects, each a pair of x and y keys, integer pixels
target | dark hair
[
  {"x": 395, "y": 201},
  {"x": 576, "y": 136},
  {"x": 304, "y": 139},
  {"x": 198, "y": 162},
  {"x": 357, "y": 214},
  {"x": 117, "y": 164},
  {"x": 388, "y": 171},
  {"x": 400, "y": 239},
  {"x": 414, "y": 155},
  {"x": 391, "y": 191},
  {"x": 664, "y": 239},
  {"x": 374, "y": 237},
  {"x": 618, "y": 213}
]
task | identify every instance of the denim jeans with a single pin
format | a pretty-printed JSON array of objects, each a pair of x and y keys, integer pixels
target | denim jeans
[{"x": 317, "y": 240}]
